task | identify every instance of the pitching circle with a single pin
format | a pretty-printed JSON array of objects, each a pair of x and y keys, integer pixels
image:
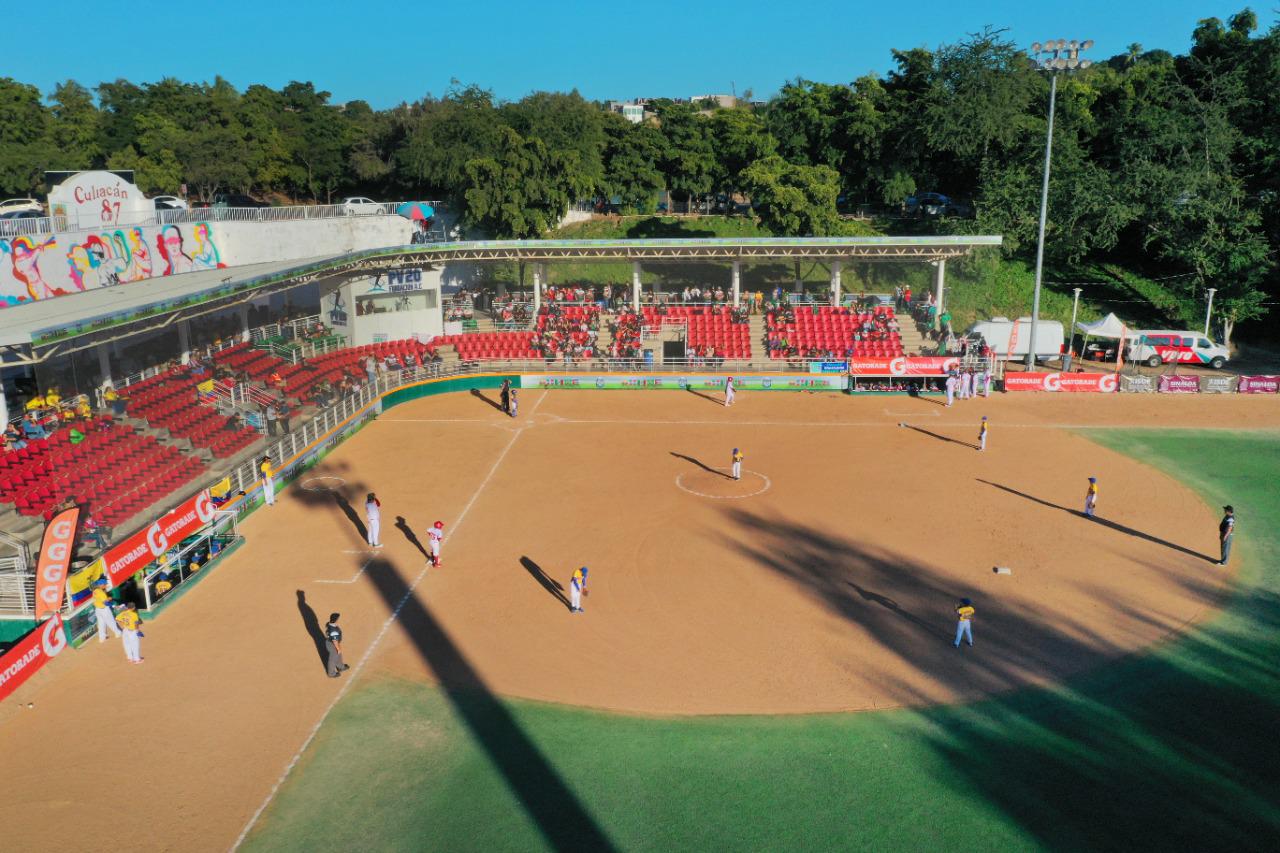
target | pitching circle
[
  {"x": 322, "y": 484},
  {"x": 766, "y": 485}
]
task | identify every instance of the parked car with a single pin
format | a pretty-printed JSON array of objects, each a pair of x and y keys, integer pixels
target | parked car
[
  {"x": 1154, "y": 347},
  {"x": 11, "y": 205},
  {"x": 9, "y": 221},
  {"x": 359, "y": 205},
  {"x": 169, "y": 202},
  {"x": 926, "y": 204},
  {"x": 237, "y": 200}
]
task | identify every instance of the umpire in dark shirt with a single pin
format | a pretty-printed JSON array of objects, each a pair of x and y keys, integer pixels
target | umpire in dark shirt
[
  {"x": 333, "y": 645},
  {"x": 1226, "y": 529}
]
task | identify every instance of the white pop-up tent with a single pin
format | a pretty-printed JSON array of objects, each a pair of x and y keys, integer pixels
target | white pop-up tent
[{"x": 1109, "y": 326}]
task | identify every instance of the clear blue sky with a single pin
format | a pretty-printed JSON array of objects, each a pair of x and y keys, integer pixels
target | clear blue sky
[{"x": 385, "y": 52}]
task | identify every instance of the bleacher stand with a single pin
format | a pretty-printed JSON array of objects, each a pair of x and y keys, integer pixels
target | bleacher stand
[{"x": 829, "y": 331}]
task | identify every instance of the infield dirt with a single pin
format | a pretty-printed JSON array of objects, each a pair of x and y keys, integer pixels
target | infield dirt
[{"x": 823, "y": 581}]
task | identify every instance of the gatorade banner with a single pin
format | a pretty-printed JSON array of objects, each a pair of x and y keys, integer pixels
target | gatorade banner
[
  {"x": 1259, "y": 385},
  {"x": 675, "y": 382},
  {"x": 1179, "y": 384},
  {"x": 54, "y": 560},
  {"x": 935, "y": 365},
  {"x": 145, "y": 546},
  {"x": 1095, "y": 382},
  {"x": 32, "y": 652}
]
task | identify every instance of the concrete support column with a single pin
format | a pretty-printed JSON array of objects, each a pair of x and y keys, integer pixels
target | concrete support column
[
  {"x": 635, "y": 285},
  {"x": 939, "y": 290},
  {"x": 244, "y": 321},
  {"x": 835, "y": 282},
  {"x": 537, "y": 287},
  {"x": 184, "y": 339},
  {"x": 104, "y": 363},
  {"x": 737, "y": 283}
]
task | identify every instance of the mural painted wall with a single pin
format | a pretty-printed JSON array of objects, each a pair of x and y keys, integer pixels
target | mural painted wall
[{"x": 41, "y": 267}]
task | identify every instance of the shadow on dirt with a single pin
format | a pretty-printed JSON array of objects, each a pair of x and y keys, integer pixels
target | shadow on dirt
[{"x": 550, "y": 584}]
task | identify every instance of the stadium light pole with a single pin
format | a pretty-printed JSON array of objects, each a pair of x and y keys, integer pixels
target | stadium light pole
[
  {"x": 1054, "y": 57},
  {"x": 1208, "y": 311},
  {"x": 1071, "y": 333}
]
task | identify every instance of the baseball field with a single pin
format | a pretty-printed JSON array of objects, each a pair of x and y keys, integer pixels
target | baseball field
[{"x": 763, "y": 663}]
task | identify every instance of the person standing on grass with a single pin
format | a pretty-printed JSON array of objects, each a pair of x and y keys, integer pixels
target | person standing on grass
[
  {"x": 334, "y": 664},
  {"x": 1091, "y": 497},
  {"x": 964, "y": 624},
  {"x": 130, "y": 624},
  {"x": 373, "y": 518},
  {"x": 1226, "y": 529}
]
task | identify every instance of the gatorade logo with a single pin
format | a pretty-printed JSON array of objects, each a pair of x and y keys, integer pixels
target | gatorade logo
[
  {"x": 1053, "y": 382},
  {"x": 898, "y": 366},
  {"x": 52, "y": 639},
  {"x": 204, "y": 507},
  {"x": 156, "y": 539},
  {"x": 1108, "y": 382}
]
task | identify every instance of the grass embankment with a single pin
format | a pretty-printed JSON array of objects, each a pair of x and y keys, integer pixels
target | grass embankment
[{"x": 1171, "y": 749}]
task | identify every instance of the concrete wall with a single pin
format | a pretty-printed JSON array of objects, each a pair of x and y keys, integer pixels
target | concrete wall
[{"x": 50, "y": 265}]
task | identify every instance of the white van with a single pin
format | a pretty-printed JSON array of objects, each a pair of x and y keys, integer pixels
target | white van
[
  {"x": 1011, "y": 339},
  {"x": 1162, "y": 346}
]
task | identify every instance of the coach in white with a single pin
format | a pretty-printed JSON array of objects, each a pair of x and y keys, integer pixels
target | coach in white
[{"x": 373, "y": 515}]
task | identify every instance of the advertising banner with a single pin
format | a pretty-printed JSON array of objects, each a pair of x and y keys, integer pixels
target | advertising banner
[
  {"x": 32, "y": 652},
  {"x": 1218, "y": 384},
  {"x": 675, "y": 382},
  {"x": 935, "y": 365},
  {"x": 1137, "y": 384},
  {"x": 1094, "y": 382},
  {"x": 1259, "y": 385},
  {"x": 54, "y": 560},
  {"x": 1179, "y": 384},
  {"x": 827, "y": 366},
  {"x": 143, "y": 547}
]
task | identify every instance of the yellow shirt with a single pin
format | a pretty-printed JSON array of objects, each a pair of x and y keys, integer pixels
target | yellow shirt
[
  {"x": 982, "y": 430},
  {"x": 111, "y": 395},
  {"x": 1093, "y": 489},
  {"x": 267, "y": 470},
  {"x": 100, "y": 597},
  {"x": 35, "y": 404},
  {"x": 737, "y": 457},
  {"x": 84, "y": 410},
  {"x": 162, "y": 587},
  {"x": 578, "y": 578},
  {"x": 128, "y": 620},
  {"x": 194, "y": 567},
  {"x": 965, "y": 612},
  {"x": 52, "y": 399}
]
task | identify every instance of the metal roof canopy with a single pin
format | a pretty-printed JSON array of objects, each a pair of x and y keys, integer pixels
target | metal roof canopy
[{"x": 52, "y": 328}]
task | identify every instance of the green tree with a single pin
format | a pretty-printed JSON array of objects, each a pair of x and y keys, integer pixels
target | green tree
[
  {"x": 73, "y": 129},
  {"x": 564, "y": 123},
  {"x": 24, "y": 144},
  {"x": 443, "y": 136},
  {"x": 633, "y": 155},
  {"x": 523, "y": 190},
  {"x": 738, "y": 137},
  {"x": 689, "y": 163},
  {"x": 791, "y": 200}
]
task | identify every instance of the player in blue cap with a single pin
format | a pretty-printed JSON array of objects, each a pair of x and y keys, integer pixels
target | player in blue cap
[
  {"x": 577, "y": 588},
  {"x": 1091, "y": 497}
]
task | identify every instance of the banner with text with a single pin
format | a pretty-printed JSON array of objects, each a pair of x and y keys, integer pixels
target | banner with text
[
  {"x": 697, "y": 382},
  {"x": 148, "y": 544},
  {"x": 32, "y": 652},
  {"x": 935, "y": 365},
  {"x": 1259, "y": 385},
  {"x": 1179, "y": 384},
  {"x": 54, "y": 560},
  {"x": 1095, "y": 382},
  {"x": 1137, "y": 384},
  {"x": 1218, "y": 384}
]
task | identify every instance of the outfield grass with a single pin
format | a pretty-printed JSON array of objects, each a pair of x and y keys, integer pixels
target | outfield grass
[{"x": 1173, "y": 749}]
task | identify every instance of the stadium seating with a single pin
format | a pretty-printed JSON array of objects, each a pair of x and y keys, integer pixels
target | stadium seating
[
  {"x": 117, "y": 472},
  {"x": 832, "y": 329},
  {"x": 170, "y": 401},
  {"x": 708, "y": 327}
]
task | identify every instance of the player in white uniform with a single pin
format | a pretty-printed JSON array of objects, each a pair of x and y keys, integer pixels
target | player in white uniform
[
  {"x": 436, "y": 536},
  {"x": 951, "y": 387},
  {"x": 373, "y": 514},
  {"x": 728, "y": 391},
  {"x": 966, "y": 384},
  {"x": 986, "y": 382}
]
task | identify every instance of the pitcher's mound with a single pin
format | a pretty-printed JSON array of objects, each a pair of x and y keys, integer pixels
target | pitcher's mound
[{"x": 719, "y": 485}]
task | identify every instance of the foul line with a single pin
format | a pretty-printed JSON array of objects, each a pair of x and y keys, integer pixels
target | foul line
[
  {"x": 357, "y": 575},
  {"x": 311, "y": 736}
]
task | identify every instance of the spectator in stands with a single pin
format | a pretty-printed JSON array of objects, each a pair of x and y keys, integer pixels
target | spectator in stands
[
  {"x": 114, "y": 400},
  {"x": 371, "y": 369},
  {"x": 31, "y": 428},
  {"x": 13, "y": 437},
  {"x": 284, "y": 413},
  {"x": 36, "y": 405},
  {"x": 270, "y": 415}
]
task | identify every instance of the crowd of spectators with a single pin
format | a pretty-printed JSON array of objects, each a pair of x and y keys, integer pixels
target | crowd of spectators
[
  {"x": 875, "y": 327},
  {"x": 46, "y": 413},
  {"x": 569, "y": 334}
]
